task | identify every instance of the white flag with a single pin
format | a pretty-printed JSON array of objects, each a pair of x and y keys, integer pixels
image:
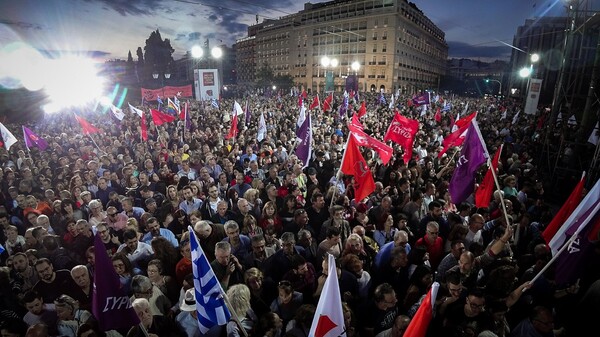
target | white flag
[
  {"x": 302, "y": 116},
  {"x": 136, "y": 110},
  {"x": 262, "y": 127},
  {"x": 237, "y": 111},
  {"x": 329, "y": 317},
  {"x": 8, "y": 138},
  {"x": 594, "y": 136},
  {"x": 118, "y": 113},
  {"x": 516, "y": 118},
  {"x": 391, "y": 106},
  {"x": 572, "y": 121}
]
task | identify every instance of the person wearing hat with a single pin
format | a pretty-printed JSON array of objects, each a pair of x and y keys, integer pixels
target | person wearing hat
[{"x": 187, "y": 319}]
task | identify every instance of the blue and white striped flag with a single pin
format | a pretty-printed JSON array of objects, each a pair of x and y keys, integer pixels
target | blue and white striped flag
[
  {"x": 215, "y": 103},
  {"x": 210, "y": 303}
]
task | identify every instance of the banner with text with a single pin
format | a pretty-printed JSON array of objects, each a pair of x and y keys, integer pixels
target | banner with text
[
  {"x": 206, "y": 84},
  {"x": 168, "y": 91},
  {"x": 533, "y": 96}
]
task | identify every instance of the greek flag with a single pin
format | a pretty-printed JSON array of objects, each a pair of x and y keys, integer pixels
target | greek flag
[
  {"x": 215, "y": 103},
  {"x": 210, "y": 304}
]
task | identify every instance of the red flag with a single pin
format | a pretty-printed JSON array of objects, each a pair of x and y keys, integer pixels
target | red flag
[
  {"x": 327, "y": 103},
  {"x": 438, "y": 116},
  {"x": 315, "y": 103},
  {"x": 420, "y": 322},
  {"x": 362, "y": 139},
  {"x": 233, "y": 130},
  {"x": 457, "y": 137},
  {"x": 462, "y": 122},
  {"x": 409, "y": 103},
  {"x": 160, "y": 118},
  {"x": 565, "y": 211},
  {"x": 362, "y": 110},
  {"x": 300, "y": 101},
  {"x": 304, "y": 94},
  {"x": 485, "y": 189},
  {"x": 183, "y": 113},
  {"x": 144, "y": 127},
  {"x": 86, "y": 126},
  {"x": 354, "y": 164},
  {"x": 402, "y": 131}
]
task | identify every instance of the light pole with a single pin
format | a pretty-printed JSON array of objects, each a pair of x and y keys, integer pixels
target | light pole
[
  {"x": 356, "y": 67},
  {"x": 329, "y": 74},
  {"x": 198, "y": 54},
  {"x": 165, "y": 75},
  {"x": 487, "y": 80}
]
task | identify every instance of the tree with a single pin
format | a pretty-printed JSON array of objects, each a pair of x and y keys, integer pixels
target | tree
[
  {"x": 129, "y": 70},
  {"x": 158, "y": 54}
]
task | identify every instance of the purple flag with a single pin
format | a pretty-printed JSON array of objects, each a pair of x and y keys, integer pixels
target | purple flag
[
  {"x": 571, "y": 262},
  {"x": 422, "y": 98},
  {"x": 304, "y": 133},
  {"x": 31, "y": 139},
  {"x": 110, "y": 304},
  {"x": 473, "y": 154}
]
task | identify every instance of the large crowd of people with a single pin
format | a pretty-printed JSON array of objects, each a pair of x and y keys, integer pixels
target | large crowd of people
[{"x": 267, "y": 223}]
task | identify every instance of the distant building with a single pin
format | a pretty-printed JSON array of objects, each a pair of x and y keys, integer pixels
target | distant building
[{"x": 394, "y": 43}]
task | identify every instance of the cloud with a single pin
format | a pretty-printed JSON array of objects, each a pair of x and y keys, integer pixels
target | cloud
[
  {"x": 22, "y": 24},
  {"x": 458, "y": 49},
  {"x": 132, "y": 7},
  {"x": 191, "y": 14},
  {"x": 194, "y": 36},
  {"x": 85, "y": 53}
]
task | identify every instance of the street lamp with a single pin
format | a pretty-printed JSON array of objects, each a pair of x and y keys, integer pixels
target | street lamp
[
  {"x": 166, "y": 75},
  {"x": 326, "y": 62},
  {"x": 487, "y": 80}
]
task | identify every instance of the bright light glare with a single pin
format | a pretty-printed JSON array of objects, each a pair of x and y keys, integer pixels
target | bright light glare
[
  {"x": 74, "y": 81},
  {"x": 334, "y": 63},
  {"x": 355, "y": 65},
  {"x": 525, "y": 72},
  {"x": 23, "y": 64},
  {"x": 216, "y": 52},
  {"x": 51, "y": 108},
  {"x": 325, "y": 61},
  {"x": 197, "y": 52},
  {"x": 535, "y": 57},
  {"x": 105, "y": 101}
]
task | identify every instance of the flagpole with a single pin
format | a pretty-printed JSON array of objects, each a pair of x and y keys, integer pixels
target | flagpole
[
  {"x": 338, "y": 174},
  {"x": 25, "y": 136},
  {"x": 549, "y": 263},
  {"x": 143, "y": 328},
  {"x": 568, "y": 243},
  {"x": 493, "y": 172},
  {"x": 223, "y": 294}
]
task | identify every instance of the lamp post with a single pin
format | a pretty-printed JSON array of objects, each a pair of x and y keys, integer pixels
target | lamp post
[
  {"x": 198, "y": 55},
  {"x": 163, "y": 76},
  {"x": 356, "y": 67},
  {"x": 326, "y": 62},
  {"x": 487, "y": 80}
]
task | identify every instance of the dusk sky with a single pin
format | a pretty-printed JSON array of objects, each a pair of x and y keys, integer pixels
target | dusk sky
[{"x": 110, "y": 28}]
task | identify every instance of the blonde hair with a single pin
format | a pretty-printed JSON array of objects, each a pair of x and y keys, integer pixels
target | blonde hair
[{"x": 239, "y": 297}]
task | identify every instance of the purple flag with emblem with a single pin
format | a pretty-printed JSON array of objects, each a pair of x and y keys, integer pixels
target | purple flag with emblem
[
  {"x": 571, "y": 262},
  {"x": 304, "y": 135},
  {"x": 472, "y": 155},
  {"x": 110, "y": 303},
  {"x": 31, "y": 139}
]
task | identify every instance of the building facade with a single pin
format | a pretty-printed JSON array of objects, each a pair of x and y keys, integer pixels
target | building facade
[{"x": 386, "y": 44}]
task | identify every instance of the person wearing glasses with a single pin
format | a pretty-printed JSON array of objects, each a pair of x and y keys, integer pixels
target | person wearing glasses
[
  {"x": 434, "y": 244},
  {"x": 380, "y": 312},
  {"x": 52, "y": 283},
  {"x": 467, "y": 316}
]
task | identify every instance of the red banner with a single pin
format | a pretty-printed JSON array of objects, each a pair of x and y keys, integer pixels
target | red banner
[{"x": 151, "y": 94}]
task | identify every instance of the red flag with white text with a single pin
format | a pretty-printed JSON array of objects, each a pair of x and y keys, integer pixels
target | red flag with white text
[
  {"x": 402, "y": 131},
  {"x": 356, "y": 128}
]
